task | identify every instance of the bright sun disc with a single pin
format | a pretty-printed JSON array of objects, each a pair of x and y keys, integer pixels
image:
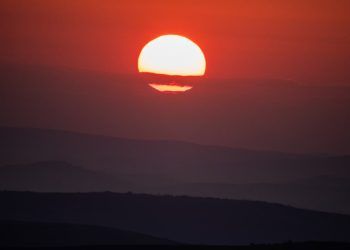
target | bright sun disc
[{"x": 172, "y": 55}]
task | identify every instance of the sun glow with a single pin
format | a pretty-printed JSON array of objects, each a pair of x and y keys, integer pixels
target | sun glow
[{"x": 172, "y": 55}]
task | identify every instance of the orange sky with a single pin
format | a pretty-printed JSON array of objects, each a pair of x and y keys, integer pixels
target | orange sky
[{"x": 299, "y": 40}]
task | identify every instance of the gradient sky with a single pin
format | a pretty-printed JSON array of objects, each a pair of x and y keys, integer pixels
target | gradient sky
[
  {"x": 300, "y": 40},
  {"x": 72, "y": 65}
]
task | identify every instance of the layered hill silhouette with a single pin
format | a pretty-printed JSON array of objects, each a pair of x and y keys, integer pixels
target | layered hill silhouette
[
  {"x": 175, "y": 159},
  {"x": 268, "y": 113},
  {"x": 326, "y": 193},
  {"x": 56, "y": 176},
  {"x": 36, "y": 234},
  {"x": 181, "y": 219},
  {"x": 51, "y": 160}
]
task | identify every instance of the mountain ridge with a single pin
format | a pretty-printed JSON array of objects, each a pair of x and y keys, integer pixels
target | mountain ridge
[{"x": 181, "y": 219}]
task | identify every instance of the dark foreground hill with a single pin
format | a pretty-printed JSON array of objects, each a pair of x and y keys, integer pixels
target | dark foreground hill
[
  {"x": 34, "y": 234},
  {"x": 182, "y": 219},
  {"x": 31, "y": 235}
]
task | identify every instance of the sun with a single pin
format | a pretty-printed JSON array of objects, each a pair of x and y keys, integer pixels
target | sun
[{"x": 172, "y": 55}]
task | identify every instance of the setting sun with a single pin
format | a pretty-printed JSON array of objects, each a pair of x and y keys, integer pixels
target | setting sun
[
  {"x": 172, "y": 55},
  {"x": 171, "y": 63}
]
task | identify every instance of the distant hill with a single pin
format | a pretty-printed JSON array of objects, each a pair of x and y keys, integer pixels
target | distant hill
[
  {"x": 258, "y": 113},
  {"x": 182, "y": 219},
  {"x": 175, "y": 160},
  {"x": 35, "y": 234},
  {"x": 51, "y": 160},
  {"x": 325, "y": 193},
  {"x": 54, "y": 176}
]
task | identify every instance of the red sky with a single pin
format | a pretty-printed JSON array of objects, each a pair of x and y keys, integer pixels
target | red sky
[
  {"x": 54, "y": 55},
  {"x": 300, "y": 40}
]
